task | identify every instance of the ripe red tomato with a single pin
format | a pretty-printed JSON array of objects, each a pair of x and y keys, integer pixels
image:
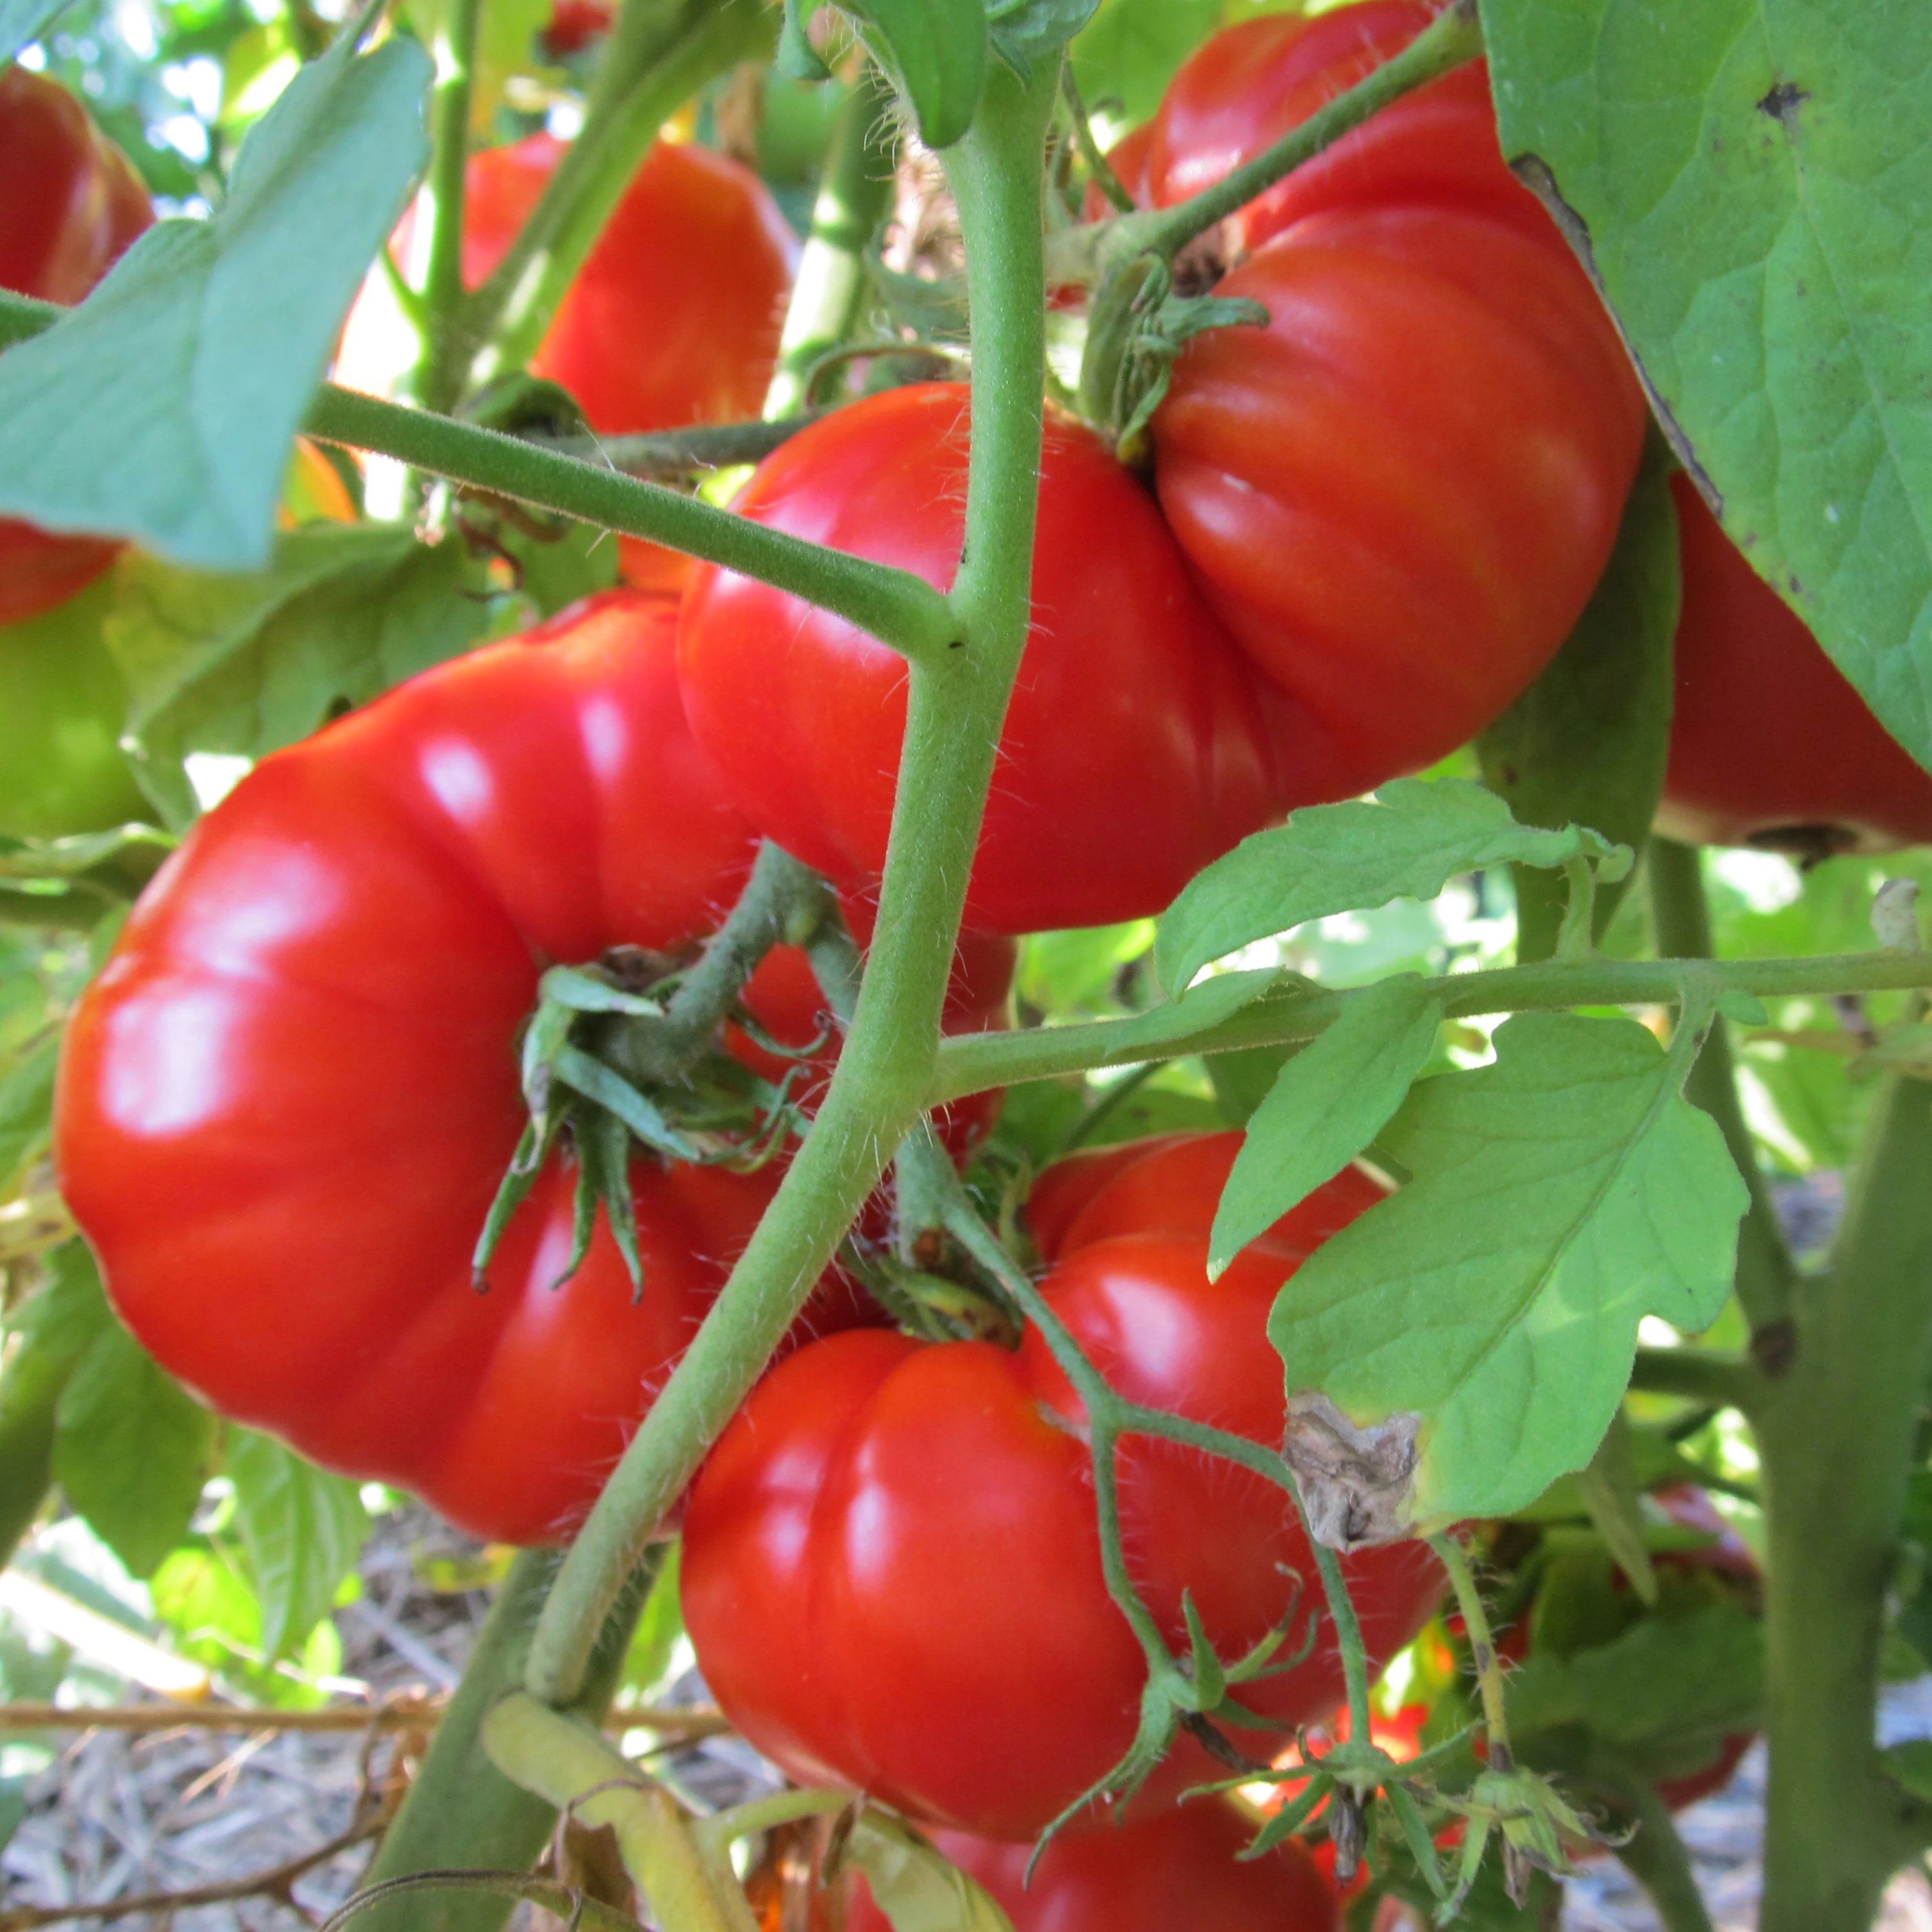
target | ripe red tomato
[
  {"x": 1399, "y": 494},
  {"x": 73, "y": 202},
  {"x": 1136, "y": 749},
  {"x": 675, "y": 318},
  {"x": 1178, "y": 1870},
  {"x": 287, "y": 1101},
  {"x": 891, "y": 1571},
  {"x": 573, "y": 25},
  {"x": 1771, "y": 745}
]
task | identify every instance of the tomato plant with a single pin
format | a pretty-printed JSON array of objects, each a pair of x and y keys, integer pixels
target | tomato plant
[
  {"x": 838, "y": 1492},
  {"x": 1138, "y": 745},
  {"x": 73, "y": 204}
]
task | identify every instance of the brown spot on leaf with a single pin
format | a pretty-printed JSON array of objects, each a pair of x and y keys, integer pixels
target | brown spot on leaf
[
  {"x": 1783, "y": 101},
  {"x": 1357, "y": 1484}
]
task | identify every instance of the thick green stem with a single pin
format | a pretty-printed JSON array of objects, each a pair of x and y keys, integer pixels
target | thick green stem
[
  {"x": 567, "y": 1764},
  {"x": 1680, "y": 916},
  {"x": 956, "y": 706},
  {"x": 1700, "y": 1375},
  {"x": 853, "y": 196},
  {"x": 1654, "y": 1855},
  {"x": 1836, "y": 1440},
  {"x": 461, "y": 1810},
  {"x": 681, "y": 452},
  {"x": 660, "y": 53},
  {"x": 437, "y": 380},
  {"x": 971, "y": 1063}
]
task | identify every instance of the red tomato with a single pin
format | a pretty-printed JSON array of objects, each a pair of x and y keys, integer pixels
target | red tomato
[
  {"x": 1770, "y": 745},
  {"x": 1399, "y": 494},
  {"x": 1175, "y": 1871},
  {"x": 574, "y": 25},
  {"x": 892, "y": 1570},
  {"x": 73, "y": 202},
  {"x": 675, "y": 317},
  {"x": 1136, "y": 748},
  {"x": 286, "y": 1103},
  {"x": 1258, "y": 80}
]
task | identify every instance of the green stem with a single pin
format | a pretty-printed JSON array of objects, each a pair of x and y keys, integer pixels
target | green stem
[
  {"x": 568, "y": 1766},
  {"x": 680, "y": 452},
  {"x": 971, "y": 1063},
  {"x": 1482, "y": 1648},
  {"x": 461, "y": 1810},
  {"x": 561, "y": 1902},
  {"x": 659, "y": 54},
  {"x": 1836, "y": 1441},
  {"x": 438, "y": 379},
  {"x": 1654, "y": 1855},
  {"x": 1682, "y": 917},
  {"x": 1700, "y": 1374},
  {"x": 956, "y": 706},
  {"x": 854, "y": 193}
]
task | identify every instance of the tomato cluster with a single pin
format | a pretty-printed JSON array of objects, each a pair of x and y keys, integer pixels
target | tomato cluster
[{"x": 892, "y": 1570}]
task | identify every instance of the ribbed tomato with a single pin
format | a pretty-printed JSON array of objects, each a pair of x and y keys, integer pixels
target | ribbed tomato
[
  {"x": 891, "y": 1571},
  {"x": 1137, "y": 747},
  {"x": 287, "y": 1101},
  {"x": 72, "y": 203},
  {"x": 1770, "y": 744}
]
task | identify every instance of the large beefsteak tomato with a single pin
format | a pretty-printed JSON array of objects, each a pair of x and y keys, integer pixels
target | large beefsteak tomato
[
  {"x": 892, "y": 1571},
  {"x": 287, "y": 1101}
]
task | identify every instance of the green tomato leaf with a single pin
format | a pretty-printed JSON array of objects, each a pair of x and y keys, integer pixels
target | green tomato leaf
[
  {"x": 22, "y": 21},
  {"x": 27, "y": 1109},
  {"x": 1025, "y": 31},
  {"x": 1134, "y": 48},
  {"x": 247, "y": 664},
  {"x": 304, "y": 1529},
  {"x": 1613, "y": 1497},
  {"x": 936, "y": 51},
  {"x": 131, "y": 1448},
  {"x": 1407, "y": 842},
  {"x": 916, "y": 1887},
  {"x": 1480, "y": 1324},
  {"x": 1748, "y": 180},
  {"x": 163, "y": 408},
  {"x": 1327, "y": 1104},
  {"x": 1585, "y": 745}
]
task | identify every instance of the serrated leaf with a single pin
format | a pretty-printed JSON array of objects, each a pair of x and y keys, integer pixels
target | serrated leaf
[
  {"x": 22, "y": 21},
  {"x": 247, "y": 664},
  {"x": 1026, "y": 31},
  {"x": 304, "y": 1529},
  {"x": 1586, "y": 744},
  {"x": 1326, "y": 1105},
  {"x": 1664, "y": 1693},
  {"x": 67, "y": 1316},
  {"x": 1407, "y": 842},
  {"x": 163, "y": 407},
  {"x": 1749, "y": 179},
  {"x": 131, "y": 1448},
  {"x": 918, "y": 1890},
  {"x": 27, "y": 1109},
  {"x": 936, "y": 50},
  {"x": 1558, "y": 1195}
]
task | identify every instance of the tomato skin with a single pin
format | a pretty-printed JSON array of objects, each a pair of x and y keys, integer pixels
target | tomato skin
[
  {"x": 1303, "y": 468},
  {"x": 74, "y": 202},
  {"x": 1257, "y": 80},
  {"x": 1137, "y": 747},
  {"x": 1770, "y": 744},
  {"x": 1176, "y": 1869},
  {"x": 62, "y": 703},
  {"x": 573, "y": 25},
  {"x": 892, "y": 1570},
  {"x": 287, "y": 1101},
  {"x": 675, "y": 317}
]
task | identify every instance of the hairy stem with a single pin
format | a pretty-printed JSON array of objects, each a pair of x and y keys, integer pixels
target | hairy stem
[
  {"x": 1682, "y": 917},
  {"x": 957, "y": 704},
  {"x": 436, "y": 380},
  {"x": 1482, "y": 1647}
]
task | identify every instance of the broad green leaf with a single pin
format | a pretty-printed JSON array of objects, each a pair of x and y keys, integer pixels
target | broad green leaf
[
  {"x": 1124, "y": 60},
  {"x": 27, "y": 1109},
  {"x": 131, "y": 1448},
  {"x": 936, "y": 50},
  {"x": 916, "y": 1887},
  {"x": 23, "y": 21},
  {"x": 247, "y": 664},
  {"x": 1484, "y": 1317},
  {"x": 1657, "y": 1460},
  {"x": 1749, "y": 180},
  {"x": 163, "y": 408},
  {"x": 304, "y": 1529},
  {"x": 1327, "y": 1104},
  {"x": 1586, "y": 744},
  {"x": 65, "y": 1318},
  {"x": 1059, "y": 971},
  {"x": 1407, "y": 842},
  {"x": 1242, "y": 1080},
  {"x": 1026, "y": 31},
  {"x": 1665, "y": 1694}
]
